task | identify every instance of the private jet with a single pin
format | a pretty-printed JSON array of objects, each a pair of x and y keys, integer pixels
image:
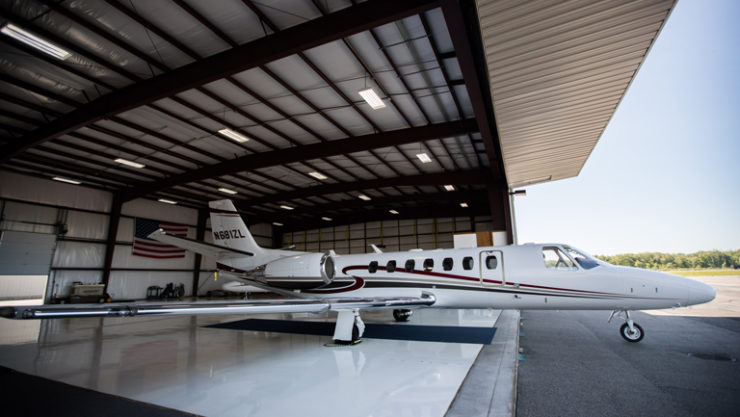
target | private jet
[{"x": 531, "y": 276}]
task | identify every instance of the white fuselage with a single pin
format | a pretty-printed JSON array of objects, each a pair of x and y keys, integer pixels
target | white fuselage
[{"x": 489, "y": 277}]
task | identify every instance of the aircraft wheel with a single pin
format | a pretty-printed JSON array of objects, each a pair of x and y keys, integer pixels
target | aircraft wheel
[
  {"x": 402, "y": 315},
  {"x": 632, "y": 336}
]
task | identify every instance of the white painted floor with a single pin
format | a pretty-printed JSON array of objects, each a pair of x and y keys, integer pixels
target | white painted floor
[{"x": 178, "y": 363}]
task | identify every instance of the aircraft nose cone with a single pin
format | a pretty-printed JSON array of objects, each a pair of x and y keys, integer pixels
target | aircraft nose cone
[{"x": 701, "y": 293}]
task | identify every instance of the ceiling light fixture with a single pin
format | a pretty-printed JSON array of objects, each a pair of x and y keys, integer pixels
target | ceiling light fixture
[
  {"x": 319, "y": 176},
  {"x": 233, "y": 135},
  {"x": 227, "y": 191},
  {"x": 286, "y": 207},
  {"x": 364, "y": 197},
  {"x": 166, "y": 201},
  {"x": 34, "y": 41},
  {"x": 424, "y": 157},
  {"x": 450, "y": 187},
  {"x": 277, "y": 224},
  {"x": 129, "y": 163},
  {"x": 464, "y": 205},
  {"x": 327, "y": 219},
  {"x": 392, "y": 212},
  {"x": 67, "y": 180},
  {"x": 372, "y": 98}
]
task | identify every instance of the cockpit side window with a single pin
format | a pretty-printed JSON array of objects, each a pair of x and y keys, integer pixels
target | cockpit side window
[
  {"x": 583, "y": 259},
  {"x": 555, "y": 258}
]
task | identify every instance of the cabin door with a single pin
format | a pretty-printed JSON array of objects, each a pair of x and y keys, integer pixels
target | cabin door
[{"x": 491, "y": 264}]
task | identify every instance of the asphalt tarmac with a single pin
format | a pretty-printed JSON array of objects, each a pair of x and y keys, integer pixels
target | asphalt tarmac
[{"x": 575, "y": 364}]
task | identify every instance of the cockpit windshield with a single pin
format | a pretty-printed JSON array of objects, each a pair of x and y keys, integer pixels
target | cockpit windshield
[{"x": 585, "y": 260}]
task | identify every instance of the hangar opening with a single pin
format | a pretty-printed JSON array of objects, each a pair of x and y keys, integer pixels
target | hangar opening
[{"x": 332, "y": 125}]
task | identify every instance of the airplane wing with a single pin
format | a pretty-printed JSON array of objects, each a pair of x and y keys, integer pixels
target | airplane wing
[
  {"x": 208, "y": 249},
  {"x": 314, "y": 305}
]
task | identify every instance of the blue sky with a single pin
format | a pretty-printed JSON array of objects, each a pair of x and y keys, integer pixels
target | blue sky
[{"x": 665, "y": 175}]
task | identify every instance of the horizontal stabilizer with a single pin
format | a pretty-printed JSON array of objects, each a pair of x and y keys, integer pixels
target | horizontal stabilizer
[
  {"x": 204, "y": 248},
  {"x": 313, "y": 305}
]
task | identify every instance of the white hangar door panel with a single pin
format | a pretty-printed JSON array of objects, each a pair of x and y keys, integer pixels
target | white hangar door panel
[{"x": 25, "y": 259}]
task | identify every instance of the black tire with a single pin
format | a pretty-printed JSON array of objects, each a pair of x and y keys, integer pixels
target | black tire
[
  {"x": 402, "y": 315},
  {"x": 632, "y": 337}
]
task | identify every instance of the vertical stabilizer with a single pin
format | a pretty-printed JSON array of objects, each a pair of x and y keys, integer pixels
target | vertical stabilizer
[{"x": 229, "y": 229}]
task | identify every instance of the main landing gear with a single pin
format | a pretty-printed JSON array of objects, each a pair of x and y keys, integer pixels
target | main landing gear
[
  {"x": 349, "y": 328},
  {"x": 402, "y": 315},
  {"x": 630, "y": 331}
]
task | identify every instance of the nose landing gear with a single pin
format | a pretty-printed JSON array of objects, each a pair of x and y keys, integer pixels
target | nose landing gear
[{"x": 630, "y": 331}]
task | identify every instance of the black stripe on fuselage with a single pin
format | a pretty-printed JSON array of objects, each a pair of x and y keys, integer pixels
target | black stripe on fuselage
[{"x": 408, "y": 284}]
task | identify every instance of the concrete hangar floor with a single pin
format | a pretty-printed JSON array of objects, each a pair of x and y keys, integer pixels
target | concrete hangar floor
[
  {"x": 214, "y": 366},
  {"x": 573, "y": 363}
]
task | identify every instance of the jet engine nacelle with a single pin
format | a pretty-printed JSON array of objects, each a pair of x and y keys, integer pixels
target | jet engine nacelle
[{"x": 310, "y": 265}]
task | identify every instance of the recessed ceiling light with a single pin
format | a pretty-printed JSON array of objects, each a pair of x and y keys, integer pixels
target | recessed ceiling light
[
  {"x": 67, "y": 180},
  {"x": 318, "y": 175},
  {"x": 277, "y": 224},
  {"x": 424, "y": 158},
  {"x": 129, "y": 163},
  {"x": 372, "y": 98},
  {"x": 392, "y": 212},
  {"x": 327, "y": 219},
  {"x": 364, "y": 197},
  {"x": 464, "y": 205},
  {"x": 34, "y": 41},
  {"x": 166, "y": 201},
  {"x": 287, "y": 207},
  {"x": 233, "y": 135},
  {"x": 450, "y": 187},
  {"x": 227, "y": 191}
]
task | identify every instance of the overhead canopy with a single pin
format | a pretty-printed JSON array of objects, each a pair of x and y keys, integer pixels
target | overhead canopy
[
  {"x": 557, "y": 71},
  {"x": 156, "y": 83}
]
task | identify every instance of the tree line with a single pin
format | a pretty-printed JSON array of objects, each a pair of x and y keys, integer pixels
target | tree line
[{"x": 655, "y": 260}]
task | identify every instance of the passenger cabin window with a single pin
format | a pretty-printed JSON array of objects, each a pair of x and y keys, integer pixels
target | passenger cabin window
[
  {"x": 468, "y": 263},
  {"x": 373, "y": 267},
  {"x": 390, "y": 266},
  {"x": 410, "y": 264},
  {"x": 554, "y": 258},
  {"x": 428, "y": 264},
  {"x": 491, "y": 262},
  {"x": 447, "y": 264}
]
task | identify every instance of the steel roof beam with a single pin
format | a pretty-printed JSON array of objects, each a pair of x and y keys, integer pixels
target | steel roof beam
[
  {"x": 436, "y": 210},
  {"x": 478, "y": 176},
  {"x": 461, "y": 18},
  {"x": 307, "y": 35},
  {"x": 307, "y": 152},
  {"x": 386, "y": 203}
]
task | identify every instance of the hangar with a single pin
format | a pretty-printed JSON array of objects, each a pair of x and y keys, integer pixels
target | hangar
[{"x": 331, "y": 124}]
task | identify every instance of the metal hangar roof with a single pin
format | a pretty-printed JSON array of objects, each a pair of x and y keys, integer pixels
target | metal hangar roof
[{"x": 302, "y": 109}]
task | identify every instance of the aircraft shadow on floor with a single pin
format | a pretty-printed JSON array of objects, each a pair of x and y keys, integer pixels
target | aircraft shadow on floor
[{"x": 444, "y": 334}]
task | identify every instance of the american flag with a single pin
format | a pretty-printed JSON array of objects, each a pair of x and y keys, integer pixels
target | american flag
[{"x": 151, "y": 248}]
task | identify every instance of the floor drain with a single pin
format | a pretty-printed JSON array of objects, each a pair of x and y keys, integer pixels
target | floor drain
[{"x": 713, "y": 357}]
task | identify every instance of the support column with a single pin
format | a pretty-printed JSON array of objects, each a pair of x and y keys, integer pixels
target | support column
[
  {"x": 110, "y": 244},
  {"x": 498, "y": 200},
  {"x": 277, "y": 237},
  {"x": 200, "y": 234}
]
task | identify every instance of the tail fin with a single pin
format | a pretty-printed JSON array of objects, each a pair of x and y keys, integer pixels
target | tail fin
[{"x": 229, "y": 229}]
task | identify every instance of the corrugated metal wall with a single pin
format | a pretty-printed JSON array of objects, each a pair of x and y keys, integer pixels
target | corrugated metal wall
[{"x": 390, "y": 235}]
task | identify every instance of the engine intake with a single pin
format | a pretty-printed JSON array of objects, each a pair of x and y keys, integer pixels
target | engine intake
[{"x": 312, "y": 265}]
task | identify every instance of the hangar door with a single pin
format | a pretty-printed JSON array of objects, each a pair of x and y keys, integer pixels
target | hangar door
[{"x": 25, "y": 259}]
